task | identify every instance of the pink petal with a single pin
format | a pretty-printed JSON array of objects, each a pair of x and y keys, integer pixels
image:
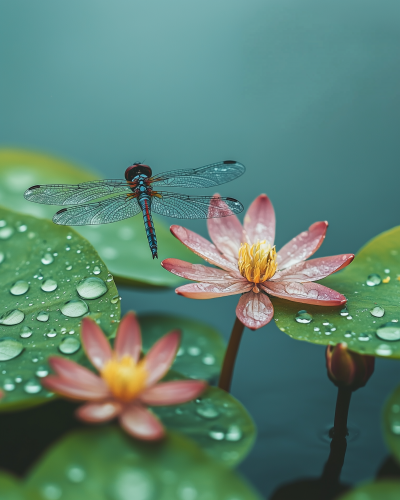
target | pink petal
[
  {"x": 75, "y": 389},
  {"x": 211, "y": 290},
  {"x": 198, "y": 272},
  {"x": 226, "y": 233},
  {"x": 302, "y": 246},
  {"x": 95, "y": 343},
  {"x": 254, "y": 310},
  {"x": 69, "y": 370},
  {"x": 259, "y": 221},
  {"x": 161, "y": 356},
  {"x": 173, "y": 393},
  {"x": 201, "y": 246},
  {"x": 314, "y": 269},
  {"x": 308, "y": 293},
  {"x": 141, "y": 423},
  {"x": 99, "y": 412},
  {"x": 128, "y": 340}
]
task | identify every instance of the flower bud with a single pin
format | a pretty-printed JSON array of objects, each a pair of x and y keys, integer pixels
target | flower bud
[{"x": 347, "y": 368}]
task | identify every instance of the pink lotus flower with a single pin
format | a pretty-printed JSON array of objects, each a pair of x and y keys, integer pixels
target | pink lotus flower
[
  {"x": 126, "y": 383},
  {"x": 249, "y": 264}
]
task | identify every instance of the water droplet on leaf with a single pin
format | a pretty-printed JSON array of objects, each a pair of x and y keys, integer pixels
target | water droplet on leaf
[
  {"x": 26, "y": 332},
  {"x": 32, "y": 386},
  {"x": 377, "y": 312},
  {"x": 344, "y": 312},
  {"x": 217, "y": 433},
  {"x": 303, "y": 317},
  {"x": 389, "y": 331},
  {"x": 6, "y": 232},
  {"x": 69, "y": 345},
  {"x": 12, "y": 317},
  {"x": 384, "y": 350},
  {"x": 42, "y": 371},
  {"x": 74, "y": 308},
  {"x": 207, "y": 410},
  {"x": 51, "y": 333},
  {"x": 364, "y": 337},
  {"x": 208, "y": 359},
  {"x": 234, "y": 433},
  {"x": 19, "y": 287},
  {"x": 96, "y": 270},
  {"x": 8, "y": 385},
  {"x": 374, "y": 280},
  {"x": 47, "y": 259},
  {"x": 194, "y": 351},
  {"x": 76, "y": 474},
  {"x": 43, "y": 316},
  {"x": 49, "y": 285},
  {"x": 91, "y": 288}
]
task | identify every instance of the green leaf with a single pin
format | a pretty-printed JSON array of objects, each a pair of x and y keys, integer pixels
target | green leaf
[
  {"x": 51, "y": 277},
  {"x": 219, "y": 424},
  {"x": 202, "y": 347},
  {"x": 360, "y": 324},
  {"x": 123, "y": 245},
  {"x": 379, "y": 490},
  {"x": 10, "y": 488},
  {"x": 391, "y": 423},
  {"x": 105, "y": 464}
]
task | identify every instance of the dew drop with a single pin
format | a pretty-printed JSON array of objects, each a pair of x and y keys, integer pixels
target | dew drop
[
  {"x": 364, "y": 337},
  {"x": 194, "y": 351},
  {"x": 18, "y": 380},
  {"x": 49, "y": 285},
  {"x": 19, "y": 287},
  {"x": 96, "y": 270},
  {"x": 303, "y": 317},
  {"x": 74, "y": 308},
  {"x": 349, "y": 334},
  {"x": 388, "y": 332},
  {"x": 12, "y": 317},
  {"x": 181, "y": 351},
  {"x": 217, "y": 433},
  {"x": 377, "y": 312},
  {"x": 207, "y": 410},
  {"x": 68, "y": 268},
  {"x": 208, "y": 359},
  {"x": 395, "y": 427},
  {"x": 42, "y": 371},
  {"x": 316, "y": 329},
  {"x": 115, "y": 299},
  {"x": 47, "y": 259},
  {"x": 91, "y": 288},
  {"x": 43, "y": 316},
  {"x": 6, "y": 232},
  {"x": 26, "y": 332},
  {"x": 69, "y": 237},
  {"x": 8, "y": 385},
  {"x": 69, "y": 345},
  {"x": 1, "y": 257},
  {"x": 374, "y": 280},
  {"x": 76, "y": 474},
  {"x": 22, "y": 228},
  {"x": 384, "y": 350},
  {"x": 51, "y": 492},
  {"x": 234, "y": 433},
  {"x": 32, "y": 386},
  {"x": 51, "y": 333},
  {"x": 344, "y": 312}
]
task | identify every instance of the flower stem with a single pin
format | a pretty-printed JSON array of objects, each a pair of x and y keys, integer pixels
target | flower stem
[
  {"x": 230, "y": 356},
  {"x": 342, "y": 411}
]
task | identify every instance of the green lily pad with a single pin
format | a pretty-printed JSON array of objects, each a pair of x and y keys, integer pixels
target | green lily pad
[
  {"x": 105, "y": 464},
  {"x": 202, "y": 347},
  {"x": 391, "y": 423},
  {"x": 51, "y": 277},
  {"x": 370, "y": 322},
  {"x": 123, "y": 245},
  {"x": 219, "y": 424},
  {"x": 379, "y": 490}
]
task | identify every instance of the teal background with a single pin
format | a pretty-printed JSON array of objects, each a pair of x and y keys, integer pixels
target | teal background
[{"x": 304, "y": 93}]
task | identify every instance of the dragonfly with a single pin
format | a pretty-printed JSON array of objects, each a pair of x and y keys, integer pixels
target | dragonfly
[{"x": 119, "y": 199}]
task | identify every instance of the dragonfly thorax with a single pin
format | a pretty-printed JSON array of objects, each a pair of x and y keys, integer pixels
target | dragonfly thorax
[{"x": 137, "y": 169}]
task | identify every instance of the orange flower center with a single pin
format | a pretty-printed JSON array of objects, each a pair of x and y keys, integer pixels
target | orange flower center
[
  {"x": 257, "y": 263},
  {"x": 125, "y": 378}
]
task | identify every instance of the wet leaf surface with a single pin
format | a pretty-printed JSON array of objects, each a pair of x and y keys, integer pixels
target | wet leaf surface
[
  {"x": 123, "y": 245},
  {"x": 202, "y": 347},
  {"x": 51, "y": 278},
  {"x": 370, "y": 322},
  {"x": 107, "y": 464}
]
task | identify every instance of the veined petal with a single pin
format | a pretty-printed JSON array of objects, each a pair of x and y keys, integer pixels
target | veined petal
[
  {"x": 173, "y": 393},
  {"x": 259, "y": 221},
  {"x": 308, "y": 293},
  {"x": 201, "y": 246},
  {"x": 198, "y": 272},
  {"x": 314, "y": 269},
  {"x": 254, "y": 310},
  {"x": 69, "y": 370},
  {"x": 99, "y": 412},
  {"x": 302, "y": 246},
  {"x": 128, "y": 340},
  {"x": 161, "y": 356},
  {"x": 95, "y": 343},
  {"x": 141, "y": 423},
  {"x": 226, "y": 233},
  {"x": 213, "y": 290},
  {"x": 76, "y": 389}
]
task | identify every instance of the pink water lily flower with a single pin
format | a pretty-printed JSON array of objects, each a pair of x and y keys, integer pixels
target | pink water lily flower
[
  {"x": 127, "y": 383},
  {"x": 249, "y": 264}
]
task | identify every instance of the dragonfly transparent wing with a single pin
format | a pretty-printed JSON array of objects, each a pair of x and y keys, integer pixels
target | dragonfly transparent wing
[
  {"x": 73, "y": 194},
  {"x": 183, "y": 206},
  {"x": 101, "y": 212},
  {"x": 208, "y": 176}
]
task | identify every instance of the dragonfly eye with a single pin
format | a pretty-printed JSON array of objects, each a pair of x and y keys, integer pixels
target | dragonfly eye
[{"x": 134, "y": 170}]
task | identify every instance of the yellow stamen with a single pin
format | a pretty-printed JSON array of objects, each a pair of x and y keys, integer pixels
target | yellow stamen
[
  {"x": 125, "y": 378},
  {"x": 386, "y": 280},
  {"x": 257, "y": 263}
]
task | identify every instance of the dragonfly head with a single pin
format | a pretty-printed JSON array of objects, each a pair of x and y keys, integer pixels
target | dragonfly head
[{"x": 136, "y": 169}]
